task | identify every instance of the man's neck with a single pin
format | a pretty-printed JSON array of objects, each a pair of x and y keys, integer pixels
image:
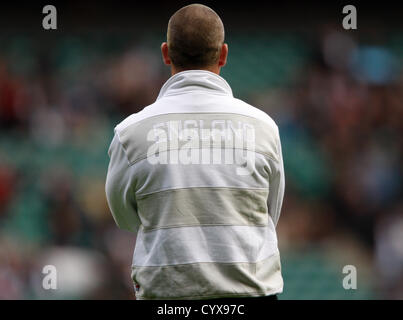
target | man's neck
[{"x": 214, "y": 69}]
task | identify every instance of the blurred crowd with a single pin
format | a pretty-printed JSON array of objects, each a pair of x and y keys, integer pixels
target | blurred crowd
[
  {"x": 58, "y": 108},
  {"x": 341, "y": 125},
  {"x": 340, "y": 117}
]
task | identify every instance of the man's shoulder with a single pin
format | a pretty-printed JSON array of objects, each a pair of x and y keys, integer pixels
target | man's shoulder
[
  {"x": 233, "y": 105},
  {"x": 255, "y": 112},
  {"x": 134, "y": 118}
]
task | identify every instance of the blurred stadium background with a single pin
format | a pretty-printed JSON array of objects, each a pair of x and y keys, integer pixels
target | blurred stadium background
[{"x": 336, "y": 95}]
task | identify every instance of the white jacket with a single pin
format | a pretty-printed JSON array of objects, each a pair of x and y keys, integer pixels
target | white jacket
[{"x": 198, "y": 175}]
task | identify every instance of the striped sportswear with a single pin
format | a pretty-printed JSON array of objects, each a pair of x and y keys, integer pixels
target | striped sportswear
[{"x": 199, "y": 176}]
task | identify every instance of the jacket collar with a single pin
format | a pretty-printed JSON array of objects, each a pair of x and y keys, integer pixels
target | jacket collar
[{"x": 195, "y": 80}]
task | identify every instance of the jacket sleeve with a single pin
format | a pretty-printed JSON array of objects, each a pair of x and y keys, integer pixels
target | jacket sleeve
[
  {"x": 119, "y": 188},
  {"x": 276, "y": 185}
]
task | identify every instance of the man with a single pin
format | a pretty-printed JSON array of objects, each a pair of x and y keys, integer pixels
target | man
[{"x": 198, "y": 175}]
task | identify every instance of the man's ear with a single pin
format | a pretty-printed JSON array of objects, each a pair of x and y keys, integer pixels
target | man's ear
[
  {"x": 223, "y": 55},
  {"x": 165, "y": 56}
]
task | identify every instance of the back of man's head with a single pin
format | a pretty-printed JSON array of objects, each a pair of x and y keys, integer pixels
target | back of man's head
[{"x": 195, "y": 36}]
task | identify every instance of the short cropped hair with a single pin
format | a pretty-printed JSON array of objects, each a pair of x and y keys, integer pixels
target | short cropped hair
[{"x": 195, "y": 36}]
